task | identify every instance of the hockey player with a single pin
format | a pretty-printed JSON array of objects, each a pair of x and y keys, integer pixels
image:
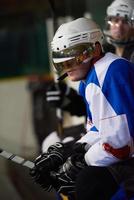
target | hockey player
[
  {"x": 102, "y": 158},
  {"x": 120, "y": 28},
  {"x": 119, "y": 39}
]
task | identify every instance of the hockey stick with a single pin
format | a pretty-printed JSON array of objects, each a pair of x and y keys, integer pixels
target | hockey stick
[{"x": 17, "y": 159}]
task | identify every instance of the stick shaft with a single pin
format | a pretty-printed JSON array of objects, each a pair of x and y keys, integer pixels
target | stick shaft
[{"x": 17, "y": 159}]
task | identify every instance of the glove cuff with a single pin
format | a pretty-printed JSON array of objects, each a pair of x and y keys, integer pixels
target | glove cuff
[{"x": 81, "y": 147}]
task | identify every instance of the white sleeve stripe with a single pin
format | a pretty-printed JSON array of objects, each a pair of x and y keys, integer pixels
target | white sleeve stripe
[
  {"x": 52, "y": 98},
  {"x": 53, "y": 92}
]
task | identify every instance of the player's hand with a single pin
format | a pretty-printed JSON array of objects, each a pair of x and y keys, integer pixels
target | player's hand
[
  {"x": 65, "y": 178},
  {"x": 41, "y": 178},
  {"x": 46, "y": 163}
]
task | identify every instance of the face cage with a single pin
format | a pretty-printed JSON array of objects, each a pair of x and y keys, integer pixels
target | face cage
[{"x": 78, "y": 54}]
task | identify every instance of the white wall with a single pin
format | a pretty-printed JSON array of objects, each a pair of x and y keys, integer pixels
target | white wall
[{"x": 16, "y": 131}]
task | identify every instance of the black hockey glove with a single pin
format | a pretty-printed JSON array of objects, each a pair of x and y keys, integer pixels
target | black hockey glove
[
  {"x": 65, "y": 178},
  {"x": 42, "y": 177},
  {"x": 47, "y": 162},
  {"x": 56, "y": 94}
]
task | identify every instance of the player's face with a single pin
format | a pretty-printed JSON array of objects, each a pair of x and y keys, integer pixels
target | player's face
[
  {"x": 76, "y": 60},
  {"x": 119, "y": 28},
  {"x": 77, "y": 72}
]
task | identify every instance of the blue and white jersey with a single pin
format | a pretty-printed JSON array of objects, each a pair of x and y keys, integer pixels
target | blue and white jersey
[{"x": 109, "y": 95}]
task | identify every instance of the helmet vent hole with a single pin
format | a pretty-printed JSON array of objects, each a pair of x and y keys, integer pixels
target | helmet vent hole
[
  {"x": 65, "y": 46},
  {"x": 58, "y": 48},
  {"x": 60, "y": 36}
]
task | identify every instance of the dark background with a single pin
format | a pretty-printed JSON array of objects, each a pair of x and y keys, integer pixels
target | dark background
[{"x": 23, "y": 35}]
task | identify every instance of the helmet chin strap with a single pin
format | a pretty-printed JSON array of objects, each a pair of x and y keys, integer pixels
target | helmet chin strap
[
  {"x": 122, "y": 43},
  {"x": 119, "y": 43}
]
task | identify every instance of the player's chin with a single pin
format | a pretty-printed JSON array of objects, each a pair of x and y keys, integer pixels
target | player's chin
[
  {"x": 74, "y": 78},
  {"x": 74, "y": 75}
]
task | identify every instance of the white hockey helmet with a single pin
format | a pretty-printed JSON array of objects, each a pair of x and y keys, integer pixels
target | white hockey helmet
[
  {"x": 121, "y": 8},
  {"x": 73, "y": 39}
]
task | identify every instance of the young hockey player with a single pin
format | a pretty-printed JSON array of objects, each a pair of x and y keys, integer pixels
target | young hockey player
[
  {"x": 119, "y": 39},
  {"x": 102, "y": 159}
]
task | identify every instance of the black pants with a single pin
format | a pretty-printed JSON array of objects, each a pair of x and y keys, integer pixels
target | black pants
[
  {"x": 123, "y": 172},
  {"x": 95, "y": 183}
]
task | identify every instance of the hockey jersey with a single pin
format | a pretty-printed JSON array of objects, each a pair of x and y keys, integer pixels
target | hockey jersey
[{"x": 109, "y": 96}]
